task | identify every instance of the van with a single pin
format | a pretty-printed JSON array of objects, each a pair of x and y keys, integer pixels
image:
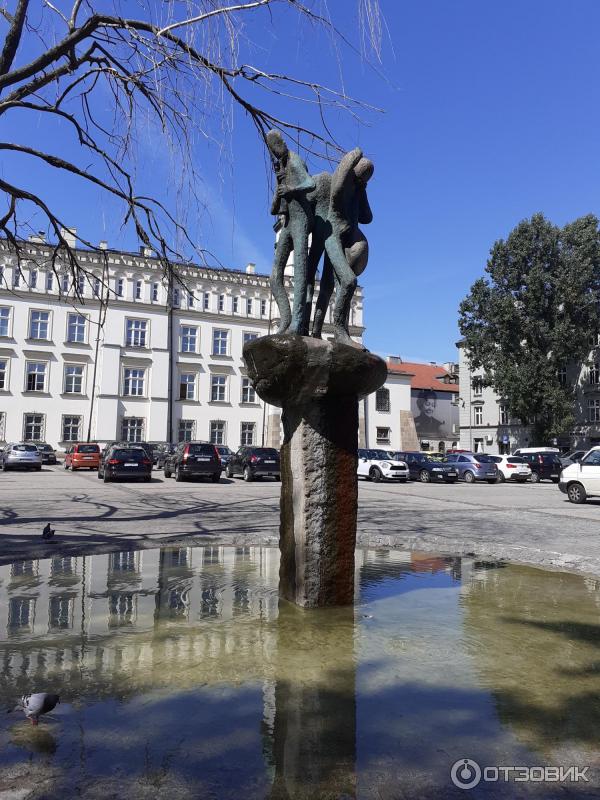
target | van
[
  {"x": 582, "y": 480},
  {"x": 82, "y": 455}
]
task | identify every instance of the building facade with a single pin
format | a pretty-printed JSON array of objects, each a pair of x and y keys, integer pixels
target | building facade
[{"x": 124, "y": 356}]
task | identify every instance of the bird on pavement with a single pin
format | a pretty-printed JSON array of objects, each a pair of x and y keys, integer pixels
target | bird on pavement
[
  {"x": 34, "y": 705},
  {"x": 48, "y": 532}
]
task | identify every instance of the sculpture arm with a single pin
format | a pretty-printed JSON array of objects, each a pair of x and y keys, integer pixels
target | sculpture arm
[
  {"x": 340, "y": 181},
  {"x": 365, "y": 215},
  {"x": 297, "y": 178}
]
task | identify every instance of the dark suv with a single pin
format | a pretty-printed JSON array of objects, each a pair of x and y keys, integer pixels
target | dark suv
[
  {"x": 544, "y": 465},
  {"x": 254, "y": 462},
  {"x": 424, "y": 468},
  {"x": 127, "y": 461},
  {"x": 194, "y": 460}
]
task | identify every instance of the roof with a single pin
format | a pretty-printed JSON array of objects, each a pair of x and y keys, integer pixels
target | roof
[{"x": 425, "y": 376}]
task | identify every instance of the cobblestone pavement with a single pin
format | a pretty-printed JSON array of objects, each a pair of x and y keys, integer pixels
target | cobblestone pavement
[{"x": 528, "y": 523}]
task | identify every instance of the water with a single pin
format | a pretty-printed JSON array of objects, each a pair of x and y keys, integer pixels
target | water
[{"x": 181, "y": 676}]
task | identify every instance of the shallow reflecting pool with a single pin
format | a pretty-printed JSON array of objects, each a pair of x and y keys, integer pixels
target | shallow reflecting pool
[{"x": 182, "y": 676}]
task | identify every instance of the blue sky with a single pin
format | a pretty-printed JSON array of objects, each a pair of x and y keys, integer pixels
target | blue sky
[{"x": 491, "y": 113}]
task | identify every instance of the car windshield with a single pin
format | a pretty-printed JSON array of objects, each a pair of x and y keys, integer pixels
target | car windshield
[
  {"x": 592, "y": 458},
  {"x": 132, "y": 454},
  {"x": 201, "y": 449},
  {"x": 483, "y": 459},
  {"x": 45, "y": 447},
  {"x": 88, "y": 448},
  {"x": 27, "y": 448},
  {"x": 268, "y": 452},
  {"x": 516, "y": 460},
  {"x": 376, "y": 455},
  {"x": 224, "y": 451}
]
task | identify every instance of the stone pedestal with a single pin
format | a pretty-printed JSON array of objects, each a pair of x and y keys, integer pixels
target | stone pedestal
[{"x": 318, "y": 385}]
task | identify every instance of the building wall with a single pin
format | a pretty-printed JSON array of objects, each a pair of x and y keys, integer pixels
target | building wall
[{"x": 383, "y": 427}]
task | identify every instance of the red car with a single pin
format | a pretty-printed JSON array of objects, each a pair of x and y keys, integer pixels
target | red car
[{"x": 82, "y": 455}]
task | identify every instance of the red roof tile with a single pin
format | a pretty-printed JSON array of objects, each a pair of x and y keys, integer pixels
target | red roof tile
[{"x": 425, "y": 376}]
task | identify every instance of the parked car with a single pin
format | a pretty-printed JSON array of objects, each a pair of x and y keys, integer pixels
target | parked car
[
  {"x": 572, "y": 458},
  {"x": 473, "y": 467},
  {"x": 255, "y": 462},
  {"x": 582, "y": 479},
  {"x": 20, "y": 455},
  {"x": 194, "y": 460},
  {"x": 225, "y": 454},
  {"x": 512, "y": 468},
  {"x": 161, "y": 451},
  {"x": 120, "y": 462},
  {"x": 379, "y": 465},
  {"x": 47, "y": 452},
  {"x": 423, "y": 467},
  {"x": 82, "y": 455},
  {"x": 146, "y": 446},
  {"x": 545, "y": 464}
]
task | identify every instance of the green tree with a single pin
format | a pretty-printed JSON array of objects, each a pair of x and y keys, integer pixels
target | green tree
[{"x": 533, "y": 314}]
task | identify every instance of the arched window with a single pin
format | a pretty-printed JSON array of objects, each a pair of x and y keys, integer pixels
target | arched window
[{"x": 382, "y": 399}]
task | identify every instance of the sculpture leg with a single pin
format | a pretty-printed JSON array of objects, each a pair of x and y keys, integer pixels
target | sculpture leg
[
  {"x": 282, "y": 253},
  {"x": 300, "y": 237},
  {"x": 325, "y": 292},
  {"x": 314, "y": 256},
  {"x": 345, "y": 289}
]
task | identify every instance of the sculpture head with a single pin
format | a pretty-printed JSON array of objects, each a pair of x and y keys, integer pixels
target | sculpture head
[
  {"x": 277, "y": 145},
  {"x": 364, "y": 171}
]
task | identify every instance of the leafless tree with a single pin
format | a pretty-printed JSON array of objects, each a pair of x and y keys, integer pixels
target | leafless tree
[{"x": 172, "y": 69}]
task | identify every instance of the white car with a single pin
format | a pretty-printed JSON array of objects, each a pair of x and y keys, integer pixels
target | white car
[
  {"x": 512, "y": 468},
  {"x": 582, "y": 480},
  {"x": 376, "y": 465}
]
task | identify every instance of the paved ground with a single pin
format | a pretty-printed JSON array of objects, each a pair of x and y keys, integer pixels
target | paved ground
[{"x": 528, "y": 523}]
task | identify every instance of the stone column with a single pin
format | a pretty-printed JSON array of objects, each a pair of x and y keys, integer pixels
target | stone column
[{"x": 318, "y": 385}]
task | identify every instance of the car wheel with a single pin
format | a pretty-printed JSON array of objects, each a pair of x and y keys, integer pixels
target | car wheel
[
  {"x": 216, "y": 477},
  {"x": 375, "y": 474},
  {"x": 167, "y": 473},
  {"x": 277, "y": 477},
  {"x": 501, "y": 477},
  {"x": 105, "y": 477},
  {"x": 576, "y": 493},
  {"x": 229, "y": 472},
  {"x": 424, "y": 476},
  {"x": 555, "y": 480},
  {"x": 247, "y": 474},
  {"x": 178, "y": 475},
  {"x": 469, "y": 477},
  {"x": 147, "y": 478},
  {"x": 535, "y": 477},
  {"x": 99, "y": 475}
]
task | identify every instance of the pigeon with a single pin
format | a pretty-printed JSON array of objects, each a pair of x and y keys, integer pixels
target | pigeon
[
  {"x": 48, "y": 532},
  {"x": 34, "y": 705}
]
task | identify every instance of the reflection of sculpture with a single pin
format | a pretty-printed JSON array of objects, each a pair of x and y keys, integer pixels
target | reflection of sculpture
[
  {"x": 426, "y": 423},
  {"x": 329, "y": 207}
]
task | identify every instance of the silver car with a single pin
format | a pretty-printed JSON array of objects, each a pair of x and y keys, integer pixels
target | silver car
[
  {"x": 473, "y": 467},
  {"x": 20, "y": 454}
]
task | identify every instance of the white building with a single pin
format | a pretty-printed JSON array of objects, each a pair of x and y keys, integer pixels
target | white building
[{"x": 136, "y": 368}]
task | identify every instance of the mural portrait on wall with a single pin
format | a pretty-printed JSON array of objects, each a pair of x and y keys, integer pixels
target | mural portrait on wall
[{"x": 426, "y": 411}]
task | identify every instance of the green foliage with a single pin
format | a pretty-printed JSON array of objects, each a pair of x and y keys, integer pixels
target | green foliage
[{"x": 534, "y": 314}]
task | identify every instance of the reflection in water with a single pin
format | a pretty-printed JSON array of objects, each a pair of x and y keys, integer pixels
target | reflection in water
[{"x": 182, "y": 675}]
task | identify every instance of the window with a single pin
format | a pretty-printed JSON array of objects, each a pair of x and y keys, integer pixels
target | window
[
  {"x": 562, "y": 376},
  {"x": 132, "y": 429},
  {"x": 382, "y": 399},
  {"x": 247, "y": 434},
  {"x": 186, "y": 430},
  {"x": 190, "y": 300},
  {"x": 249, "y": 337},
  {"x": 21, "y": 613},
  {"x": 477, "y": 387},
  {"x": 121, "y": 609},
  {"x": 136, "y": 332},
  {"x": 263, "y": 308},
  {"x": 221, "y": 302},
  {"x": 218, "y": 387},
  {"x": 35, "y": 376},
  {"x": 71, "y": 428},
  {"x": 49, "y": 281},
  {"x": 594, "y": 374},
  {"x": 594, "y": 410},
  {"x": 478, "y": 415},
  {"x": 236, "y": 303},
  {"x": 217, "y": 432},
  {"x": 133, "y": 382},
  {"x": 64, "y": 282},
  {"x": 81, "y": 283},
  {"x": 16, "y": 277},
  {"x": 33, "y": 275},
  {"x": 3, "y": 374},
  {"x": 138, "y": 290},
  {"x": 220, "y": 342},
  {"x": 39, "y": 324},
  {"x": 5, "y": 321},
  {"x": 503, "y": 415},
  {"x": 73, "y": 378},
  {"x": 155, "y": 292},
  {"x": 119, "y": 287},
  {"x": 97, "y": 284},
  {"x": 206, "y": 301},
  {"x": 60, "y": 612},
  {"x": 176, "y": 298},
  {"x": 33, "y": 427},
  {"x": 249, "y": 306},
  {"x": 248, "y": 393},
  {"x": 189, "y": 339},
  {"x": 382, "y": 435},
  {"x": 75, "y": 328},
  {"x": 187, "y": 387},
  {"x": 2, "y": 426}
]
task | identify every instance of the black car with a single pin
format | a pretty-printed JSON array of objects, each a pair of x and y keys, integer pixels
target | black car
[
  {"x": 544, "y": 465},
  {"x": 47, "y": 453},
  {"x": 424, "y": 468},
  {"x": 225, "y": 454},
  {"x": 255, "y": 462},
  {"x": 194, "y": 460},
  {"x": 125, "y": 461},
  {"x": 160, "y": 453},
  {"x": 146, "y": 447}
]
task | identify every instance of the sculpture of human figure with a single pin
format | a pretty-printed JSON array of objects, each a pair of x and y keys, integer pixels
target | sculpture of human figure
[
  {"x": 346, "y": 247},
  {"x": 290, "y": 202}
]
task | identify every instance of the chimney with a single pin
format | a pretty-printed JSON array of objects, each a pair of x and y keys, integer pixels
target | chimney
[
  {"x": 394, "y": 360},
  {"x": 103, "y": 244},
  {"x": 147, "y": 252},
  {"x": 39, "y": 237},
  {"x": 69, "y": 235},
  {"x": 250, "y": 269}
]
